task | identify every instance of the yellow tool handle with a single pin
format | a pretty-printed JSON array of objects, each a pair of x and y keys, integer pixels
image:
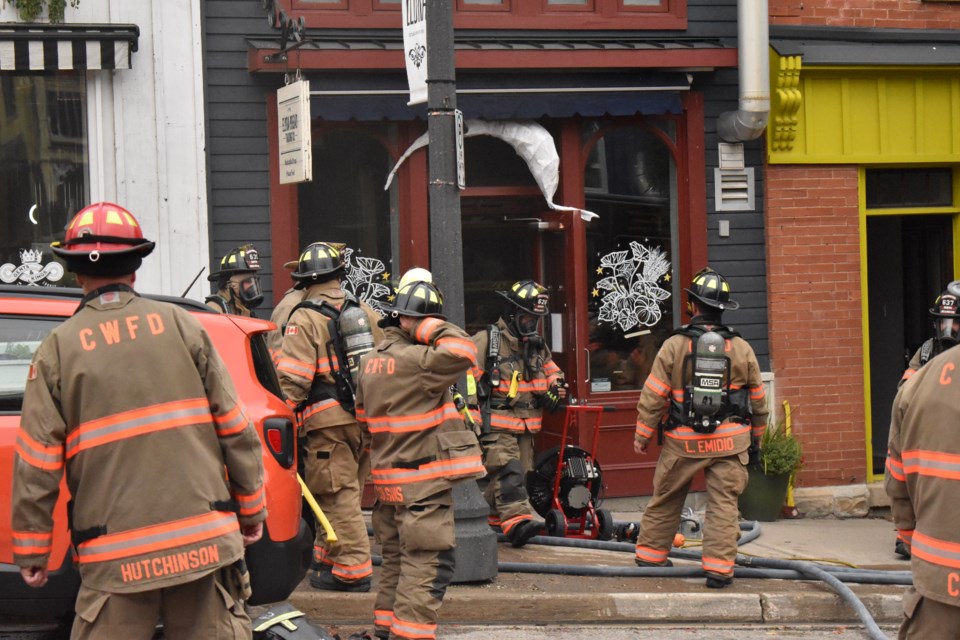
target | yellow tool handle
[
  {"x": 514, "y": 385},
  {"x": 331, "y": 535}
]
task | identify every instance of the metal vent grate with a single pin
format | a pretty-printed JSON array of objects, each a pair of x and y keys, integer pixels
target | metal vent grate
[{"x": 734, "y": 189}]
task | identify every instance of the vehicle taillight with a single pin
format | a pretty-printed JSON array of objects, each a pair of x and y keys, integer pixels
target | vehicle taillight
[{"x": 279, "y": 435}]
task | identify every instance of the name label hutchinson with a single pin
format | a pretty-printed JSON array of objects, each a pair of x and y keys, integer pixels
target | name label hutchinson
[{"x": 172, "y": 564}]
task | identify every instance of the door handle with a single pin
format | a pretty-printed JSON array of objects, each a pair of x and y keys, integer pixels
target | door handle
[{"x": 588, "y": 365}]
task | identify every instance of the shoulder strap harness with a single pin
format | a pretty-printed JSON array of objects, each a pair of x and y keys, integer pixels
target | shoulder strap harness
[{"x": 342, "y": 390}]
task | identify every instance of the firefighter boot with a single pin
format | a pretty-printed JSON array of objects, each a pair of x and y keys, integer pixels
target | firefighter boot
[
  {"x": 326, "y": 581},
  {"x": 719, "y": 582},
  {"x": 644, "y": 563},
  {"x": 901, "y": 550},
  {"x": 521, "y": 533}
]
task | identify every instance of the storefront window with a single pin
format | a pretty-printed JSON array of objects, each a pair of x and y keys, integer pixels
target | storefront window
[
  {"x": 630, "y": 183},
  {"x": 43, "y": 172},
  {"x": 346, "y": 203}
]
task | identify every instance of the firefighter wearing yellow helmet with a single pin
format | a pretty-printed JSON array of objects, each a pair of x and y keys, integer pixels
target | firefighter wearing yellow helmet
[
  {"x": 514, "y": 381},
  {"x": 325, "y": 336},
  {"x": 94, "y": 413},
  {"x": 709, "y": 378},
  {"x": 238, "y": 285}
]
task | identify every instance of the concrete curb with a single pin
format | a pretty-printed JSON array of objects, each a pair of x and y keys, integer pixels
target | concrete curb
[{"x": 477, "y": 606}]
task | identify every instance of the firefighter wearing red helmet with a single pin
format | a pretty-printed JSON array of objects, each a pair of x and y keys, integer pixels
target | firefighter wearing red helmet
[
  {"x": 94, "y": 412},
  {"x": 514, "y": 381},
  {"x": 238, "y": 285},
  {"x": 316, "y": 373},
  {"x": 419, "y": 450},
  {"x": 709, "y": 378}
]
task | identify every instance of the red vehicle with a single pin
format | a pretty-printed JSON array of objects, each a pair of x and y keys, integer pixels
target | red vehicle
[{"x": 278, "y": 562}]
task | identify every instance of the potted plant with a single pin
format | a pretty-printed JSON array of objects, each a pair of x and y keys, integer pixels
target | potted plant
[{"x": 781, "y": 456}]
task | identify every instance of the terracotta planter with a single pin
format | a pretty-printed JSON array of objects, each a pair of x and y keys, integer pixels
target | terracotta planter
[{"x": 764, "y": 495}]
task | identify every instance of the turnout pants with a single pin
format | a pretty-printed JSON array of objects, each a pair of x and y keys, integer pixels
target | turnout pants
[
  {"x": 927, "y": 619},
  {"x": 726, "y": 478},
  {"x": 336, "y": 467},
  {"x": 417, "y": 543},
  {"x": 209, "y": 608},
  {"x": 506, "y": 492}
]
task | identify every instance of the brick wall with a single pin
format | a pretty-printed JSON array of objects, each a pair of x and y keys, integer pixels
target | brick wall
[
  {"x": 816, "y": 349},
  {"x": 880, "y": 14}
]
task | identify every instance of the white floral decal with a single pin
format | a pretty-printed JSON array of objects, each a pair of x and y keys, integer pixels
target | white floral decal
[
  {"x": 362, "y": 280},
  {"x": 632, "y": 294}
]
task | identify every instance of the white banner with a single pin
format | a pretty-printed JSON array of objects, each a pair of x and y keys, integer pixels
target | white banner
[
  {"x": 293, "y": 129},
  {"x": 415, "y": 48}
]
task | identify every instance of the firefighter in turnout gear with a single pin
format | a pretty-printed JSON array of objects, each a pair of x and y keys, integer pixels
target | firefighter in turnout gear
[
  {"x": 514, "y": 381},
  {"x": 922, "y": 483},
  {"x": 281, "y": 313},
  {"x": 419, "y": 449},
  {"x": 946, "y": 329},
  {"x": 709, "y": 378},
  {"x": 238, "y": 285},
  {"x": 93, "y": 410},
  {"x": 317, "y": 373}
]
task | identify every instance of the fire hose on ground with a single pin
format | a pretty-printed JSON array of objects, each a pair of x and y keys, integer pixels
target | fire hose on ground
[{"x": 747, "y": 567}]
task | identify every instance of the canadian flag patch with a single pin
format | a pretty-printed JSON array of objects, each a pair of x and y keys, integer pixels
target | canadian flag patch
[
  {"x": 110, "y": 297},
  {"x": 292, "y": 330}
]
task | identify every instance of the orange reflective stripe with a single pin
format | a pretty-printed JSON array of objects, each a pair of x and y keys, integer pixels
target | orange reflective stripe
[
  {"x": 534, "y": 386},
  {"x": 658, "y": 386},
  {"x": 551, "y": 369},
  {"x": 352, "y": 572},
  {"x": 413, "y": 630},
  {"x": 320, "y": 555},
  {"x": 297, "y": 368},
  {"x": 250, "y": 504},
  {"x": 644, "y": 431},
  {"x": 756, "y": 393},
  {"x": 725, "y": 430},
  {"x": 511, "y": 423},
  {"x": 757, "y": 430},
  {"x": 382, "y": 618},
  {"x": 232, "y": 422},
  {"x": 510, "y": 523},
  {"x": 453, "y": 468},
  {"x": 935, "y": 464},
  {"x": 317, "y": 407},
  {"x": 908, "y": 374},
  {"x": 161, "y": 537},
  {"x": 326, "y": 365},
  {"x": 459, "y": 346},
  {"x": 717, "y": 565},
  {"x": 27, "y": 543},
  {"x": 895, "y": 467},
  {"x": 906, "y": 534},
  {"x": 426, "y": 329},
  {"x": 138, "y": 422},
  {"x": 411, "y": 423},
  {"x": 649, "y": 554},
  {"x": 940, "y": 552},
  {"x": 42, "y": 456}
]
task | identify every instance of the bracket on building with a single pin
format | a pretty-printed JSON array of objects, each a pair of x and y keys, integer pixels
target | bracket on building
[
  {"x": 292, "y": 30},
  {"x": 787, "y": 99}
]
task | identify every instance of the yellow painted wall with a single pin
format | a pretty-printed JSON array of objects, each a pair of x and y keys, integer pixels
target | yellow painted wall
[{"x": 863, "y": 115}]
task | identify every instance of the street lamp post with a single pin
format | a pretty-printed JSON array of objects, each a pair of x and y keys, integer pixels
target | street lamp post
[{"x": 476, "y": 553}]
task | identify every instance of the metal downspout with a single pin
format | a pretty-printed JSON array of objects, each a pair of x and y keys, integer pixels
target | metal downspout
[{"x": 753, "y": 35}]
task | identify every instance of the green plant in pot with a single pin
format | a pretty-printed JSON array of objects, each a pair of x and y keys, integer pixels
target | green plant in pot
[{"x": 781, "y": 456}]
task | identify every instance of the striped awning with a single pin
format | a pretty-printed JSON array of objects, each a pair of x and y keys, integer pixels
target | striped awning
[{"x": 66, "y": 47}]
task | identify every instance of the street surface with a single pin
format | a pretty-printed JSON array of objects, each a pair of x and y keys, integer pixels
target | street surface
[{"x": 608, "y": 632}]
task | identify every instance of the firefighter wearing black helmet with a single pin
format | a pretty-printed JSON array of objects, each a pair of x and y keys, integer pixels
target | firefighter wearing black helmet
[
  {"x": 709, "y": 378},
  {"x": 514, "y": 381},
  {"x": 238, "y": 285},
  {"x": 315, "y": 378},
  {"x": 946, "y": 329},
  {"x": 419, "y": 448},
  {"x": 93, "y": 411}
]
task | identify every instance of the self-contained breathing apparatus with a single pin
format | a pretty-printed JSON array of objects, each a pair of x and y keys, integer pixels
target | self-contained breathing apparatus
[
  {"x": 708, "y": 400},
  {"x": 350, "y": 339}
]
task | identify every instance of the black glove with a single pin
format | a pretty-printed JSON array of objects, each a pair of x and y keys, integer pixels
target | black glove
[
  {"x": 551, "y": 399},
  {"x": 754, "y": 452}
]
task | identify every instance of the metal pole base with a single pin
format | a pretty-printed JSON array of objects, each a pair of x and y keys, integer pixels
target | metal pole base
[{"x": 476, "y": 552}]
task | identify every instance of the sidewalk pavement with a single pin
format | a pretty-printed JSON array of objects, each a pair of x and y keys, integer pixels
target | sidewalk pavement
[{"x": 523, "y": 598}]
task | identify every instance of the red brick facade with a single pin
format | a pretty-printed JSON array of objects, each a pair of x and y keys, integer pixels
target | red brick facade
[
  {"x": 813, "y": 279},
  {"x": 875, "y": 14}
]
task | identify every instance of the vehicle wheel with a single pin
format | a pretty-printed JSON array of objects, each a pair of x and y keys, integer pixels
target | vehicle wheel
[
  {"x": 604, "y": 524},
  {"x": 556, "y": 524}
]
